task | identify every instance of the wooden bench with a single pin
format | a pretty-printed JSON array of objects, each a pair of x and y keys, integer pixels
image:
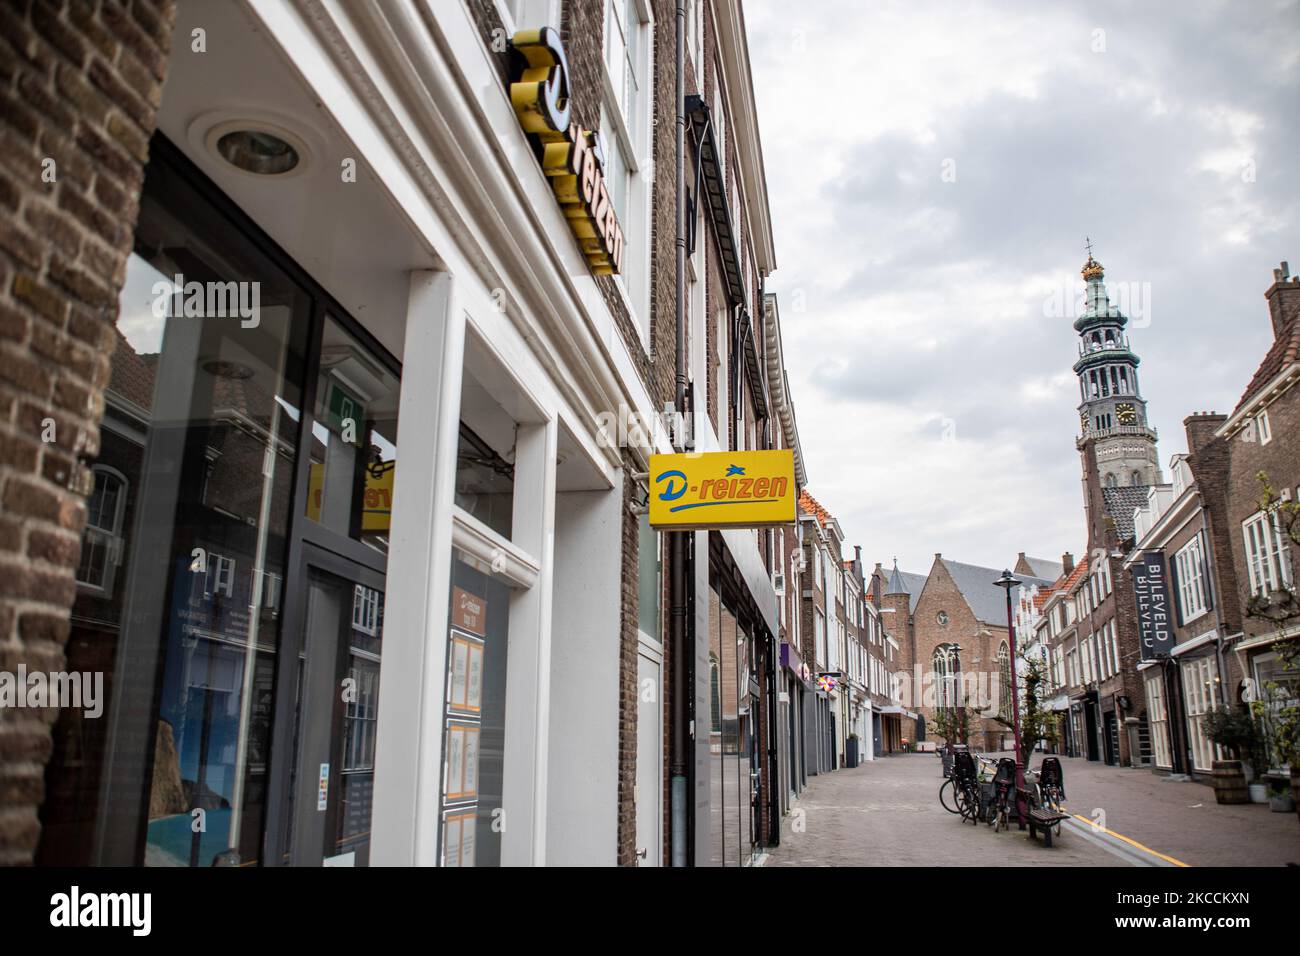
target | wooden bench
[{"x": 1043, "y": 819}]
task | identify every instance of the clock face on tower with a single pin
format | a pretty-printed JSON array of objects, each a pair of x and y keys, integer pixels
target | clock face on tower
[{"x": 1126, "y": 414}]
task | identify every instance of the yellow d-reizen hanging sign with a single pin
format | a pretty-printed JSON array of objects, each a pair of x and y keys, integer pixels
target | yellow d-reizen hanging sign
[{"x": 724, "y": 489}]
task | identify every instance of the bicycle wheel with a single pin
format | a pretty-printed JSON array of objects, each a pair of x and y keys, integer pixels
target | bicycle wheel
[
  {"x": 948, "y": 797},
  {"x": 969, "y": 803}
]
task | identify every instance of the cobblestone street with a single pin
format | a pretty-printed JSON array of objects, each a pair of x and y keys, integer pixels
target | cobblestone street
[{"x": 887, "y": 813}]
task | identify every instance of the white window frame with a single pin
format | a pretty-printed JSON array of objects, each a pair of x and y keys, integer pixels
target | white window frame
[
  {"x": 528, "y": 14},
  {"x": 1263, "y": 428},
  {"x": 365, "y": 610},
  {"x": 107, "y": 536},
  {"x": 220, "y": 576},
  {"x": 1198, "y": 694},
  {"x": 632, "y": 136},
  {"x": 1190, "y": 563},
  {"x": 1158, "y": 720},
  {"x": 1268, "y": 556}
]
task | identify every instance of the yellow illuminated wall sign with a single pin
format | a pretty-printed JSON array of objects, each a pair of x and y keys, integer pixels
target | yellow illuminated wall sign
[
  {"x": 572, "y": 157},
  {"x": 731, "y": 489}
]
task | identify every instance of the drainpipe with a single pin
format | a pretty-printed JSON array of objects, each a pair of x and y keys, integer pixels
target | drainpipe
[{"x": 678, "y": 761}]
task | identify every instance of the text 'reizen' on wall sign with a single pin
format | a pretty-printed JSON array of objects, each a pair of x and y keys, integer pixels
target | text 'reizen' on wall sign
[
  {"x": 1151, "y": 591},
  {"x": 572, "y": 157},
  {"x": 724, "y": 489}
]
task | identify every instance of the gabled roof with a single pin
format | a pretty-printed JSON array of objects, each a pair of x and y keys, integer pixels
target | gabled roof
[
  {"x": 1043, "y": 568},
  {"x": 811, "y": 507},
  {"x": 1121, "y": 502},
  {"x": 987, "y": 601},
  {"x": 1062, "y": 585},
  {"x": 1284, "y": 351}
]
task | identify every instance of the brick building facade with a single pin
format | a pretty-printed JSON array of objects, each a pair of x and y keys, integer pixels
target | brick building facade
[
  {"x": 81, "y": 85},
  {"x": 512, "y": 326}
]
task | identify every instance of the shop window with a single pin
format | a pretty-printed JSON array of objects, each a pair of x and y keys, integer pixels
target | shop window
[
  {"x": 474, "y": 735},
  {"x": 1158, "y": 718},
  {"x": 718, "y": 790},
  {"x": 354, "y": 441},
  {"x": 1200, "y": 684},
  {"x": 649, "y": 579}
]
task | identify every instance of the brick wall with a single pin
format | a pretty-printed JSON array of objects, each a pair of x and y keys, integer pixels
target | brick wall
[
  {"x": 1280, "y": 460},
  {"x": 79, "y": 86}
]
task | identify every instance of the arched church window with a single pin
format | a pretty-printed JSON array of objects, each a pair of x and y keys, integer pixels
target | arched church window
[
  {"x": 947, "y": 667},
  {"x": 1004, "y": 680}
]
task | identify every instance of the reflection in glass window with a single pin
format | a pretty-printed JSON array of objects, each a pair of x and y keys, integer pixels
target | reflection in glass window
[
  {"x": 354, "y": 440},
  {"x": 474, "y": 729},
  {"x": 186, "y": 523},
  {"x": 485, "y": 481},
  {"x": 101, "y": 545}
]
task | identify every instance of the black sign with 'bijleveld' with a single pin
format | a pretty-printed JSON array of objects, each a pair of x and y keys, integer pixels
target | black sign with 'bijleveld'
[{"x": 1151, "y": 589}]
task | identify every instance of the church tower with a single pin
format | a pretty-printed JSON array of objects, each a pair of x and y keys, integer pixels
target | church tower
[{"x": 1112, "y": 412}]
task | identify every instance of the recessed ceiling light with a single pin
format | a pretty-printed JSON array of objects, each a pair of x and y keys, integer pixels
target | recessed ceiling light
[
  {"x": 257, "y": 151},
  {"x": 252, "y": 143}
]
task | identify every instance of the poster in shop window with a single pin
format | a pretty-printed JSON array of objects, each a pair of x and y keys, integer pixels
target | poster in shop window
[
  {"x": 462, "y": 762},
  {"x": 459, "y": 670},
  {"x": 458, "y": 839},
  {"x": 474, "y": 692},
  {"x": 465, "y": 694}
]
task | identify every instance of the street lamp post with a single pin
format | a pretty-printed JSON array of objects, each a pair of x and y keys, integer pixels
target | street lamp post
[{"x": 1007, "y": 582}]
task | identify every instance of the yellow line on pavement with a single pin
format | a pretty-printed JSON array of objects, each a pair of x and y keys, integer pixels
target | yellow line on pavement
[{"x": 1120, "y": 836}]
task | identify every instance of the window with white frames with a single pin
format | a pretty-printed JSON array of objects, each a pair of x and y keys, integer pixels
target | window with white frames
[
  {"x": 625, "y": 132},
  {"x": 1114, "y": 647},
  {"x": 365, "y": 610},
  {"x": 1190, "y": 564},
  {"x": 1268, "y": 556},
  {"x": 101, "y": 547},
  {"x": 1199, "y": 678},
  {"x": 1262, "y": 428},
  {"x": 1158, "y": 716},
  {"x": 220, "y": 578},
  {"x": 529, "y": 14},
  {"x": 820, "y": 636}
]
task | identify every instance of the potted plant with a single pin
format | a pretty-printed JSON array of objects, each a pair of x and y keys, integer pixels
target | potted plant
[
  {"x": 1235, "y": 730},
  {"x": 1279, "y": 716},
  {"x": 1279, "y": 793}
]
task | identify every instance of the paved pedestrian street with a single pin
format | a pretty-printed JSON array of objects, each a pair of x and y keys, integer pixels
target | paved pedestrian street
[{"x": 887, "y": 813}]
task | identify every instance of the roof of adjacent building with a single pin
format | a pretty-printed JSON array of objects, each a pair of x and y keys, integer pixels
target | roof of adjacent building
[
  {"x": 1043, "y": 568},
  {"x": 987, "y": 601},
  {"x": 1064, "y": 582},
  {"x": 810, "y": 506},
  {"x": 1284, "y": 352},
  {"x": 1120, "y": 504}
]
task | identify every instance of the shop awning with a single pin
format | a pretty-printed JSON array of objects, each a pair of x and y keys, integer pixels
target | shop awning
[{"x": 709, "y": 185}]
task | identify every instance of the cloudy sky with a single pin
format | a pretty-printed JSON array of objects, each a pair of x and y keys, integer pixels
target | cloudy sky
[{"x": 933, "y": 169}]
